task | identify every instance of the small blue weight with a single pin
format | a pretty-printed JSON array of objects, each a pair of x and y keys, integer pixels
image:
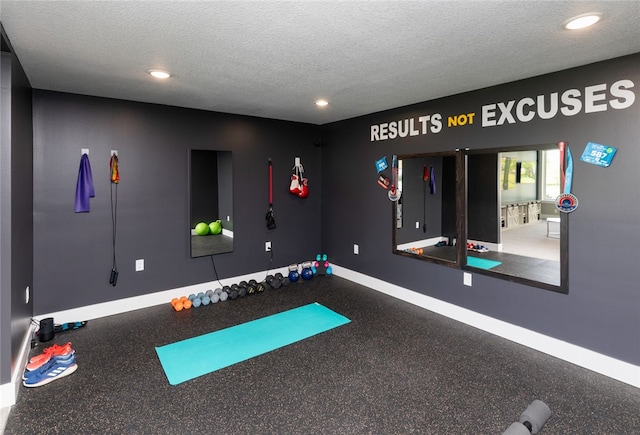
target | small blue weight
[
  {"x": 329, "y": 270},
  {"x": 206, "y": 300},
  {"x": 200, "y": 295},
  {"x": 197, "y": 302},
  {"x": 192, "y": 297}
]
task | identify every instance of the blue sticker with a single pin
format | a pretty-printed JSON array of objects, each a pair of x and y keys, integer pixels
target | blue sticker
[
  {"x": 599, "y": 155},
  {"x": 381, "y": 164}
]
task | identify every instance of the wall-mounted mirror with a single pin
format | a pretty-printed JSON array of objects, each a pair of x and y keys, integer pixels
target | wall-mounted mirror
[
  {"x": 210, "y": 202},
  {"x": 425, "y": 215},
  {"x": 499, "y": 203},
  {"x": 513, "y": 227}
]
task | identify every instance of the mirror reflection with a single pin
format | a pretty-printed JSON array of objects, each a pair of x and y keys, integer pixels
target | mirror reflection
[
  {"x": 210, "y": 202},
  {"x": 426, "y": 211},
  {"x": 499, "y": 203},
  {"x": 513, "y": 227}
]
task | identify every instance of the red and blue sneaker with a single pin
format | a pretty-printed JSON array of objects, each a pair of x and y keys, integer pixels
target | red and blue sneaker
[
  {"x": 56, "y": 368},
  {"x": 62, "y": 359}
]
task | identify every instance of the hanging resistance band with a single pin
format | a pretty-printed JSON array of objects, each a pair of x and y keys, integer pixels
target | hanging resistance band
[
  {"x": 271, "y": 223},
  {"x": 115, "y": 180}
]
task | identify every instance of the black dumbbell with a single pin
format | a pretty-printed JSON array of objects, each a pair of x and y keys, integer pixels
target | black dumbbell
[
  {"x": 239, "y": 290},
  {"x": 233, "y": 294},
  {"x": 284, "y": 281},
  {"x": 251, "y": 288},
  {"x": 261, "y": 286},
  {"x": 274, "y": 281},
  {"x": 242, "y": 289}
]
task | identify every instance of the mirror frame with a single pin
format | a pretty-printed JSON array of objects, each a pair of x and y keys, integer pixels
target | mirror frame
[{"x": 462, "y": 216}]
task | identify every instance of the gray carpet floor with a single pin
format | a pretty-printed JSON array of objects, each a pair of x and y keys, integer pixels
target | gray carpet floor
[{"x": 395, "y": 369}]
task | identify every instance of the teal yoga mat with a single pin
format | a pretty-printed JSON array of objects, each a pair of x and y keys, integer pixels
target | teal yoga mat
[
  {"x": 197, "y": 356},
  {"x": 482, "y": 263}
]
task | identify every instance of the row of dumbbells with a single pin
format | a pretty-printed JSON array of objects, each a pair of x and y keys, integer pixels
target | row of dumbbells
[{"x": 232, "y": 292}]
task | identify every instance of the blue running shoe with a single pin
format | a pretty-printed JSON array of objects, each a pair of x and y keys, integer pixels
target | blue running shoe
[
  {"x": 62, "y": 359},
  {"x": 50, "y": 372}
]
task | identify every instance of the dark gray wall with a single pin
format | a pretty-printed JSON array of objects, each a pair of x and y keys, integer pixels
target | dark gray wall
[
  {"x": 601, "y": 311},
  {"x": 73, "y": 251},
  {"x": 16, "y": 209}
]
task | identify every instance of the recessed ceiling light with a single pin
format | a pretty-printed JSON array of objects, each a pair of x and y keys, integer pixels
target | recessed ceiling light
[
  {"x": 159, "y": 74},
  {"x": 582, "y": 21},
  {"x": 322, "y": 103}
]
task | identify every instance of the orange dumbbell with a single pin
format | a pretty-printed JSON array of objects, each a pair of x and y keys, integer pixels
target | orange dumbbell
[{"x": 177, "y": 304}]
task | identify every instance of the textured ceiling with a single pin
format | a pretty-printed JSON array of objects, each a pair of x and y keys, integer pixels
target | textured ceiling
[{"x": 274, "y": 59}]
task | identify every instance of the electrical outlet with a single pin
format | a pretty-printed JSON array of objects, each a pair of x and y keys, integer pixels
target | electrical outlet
[
  {"x": 467, "y": 279},
  {"x": 139, "y": 265},
  {"x": 267, "y": 246},
  {"x": 114, "y": 152},
  {"x": 356, "y": 249}
]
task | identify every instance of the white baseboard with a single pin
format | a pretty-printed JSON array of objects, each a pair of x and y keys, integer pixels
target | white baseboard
[
  {"x": 110, "y": 308},
  {"x": 605, "y": 365}
]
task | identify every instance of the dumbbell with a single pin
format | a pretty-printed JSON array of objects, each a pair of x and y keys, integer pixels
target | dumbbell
[
  {"x": 182, "y": 303},
  {"x": 232, "y": 293},
  {"x": 213, "y": 296},
  {"x": 222, "y": 295},
  {"x": 251, "y": 286},
  {"x": 274, "y": 282},
  {"x": 236, "y": 288},
  {"x": 239, "y": 290},
  {"x": 177, "y": 304},
  {"x": 242, "y": 291},
  {"x": 283, "y": 279},
  {"x": 531, "y": 420},
  {"x": 261, "y": 286},
  {"x": 206, "y": 300}
]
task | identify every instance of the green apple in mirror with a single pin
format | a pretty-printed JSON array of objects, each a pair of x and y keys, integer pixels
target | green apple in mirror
[{"x": 215, "y": 227}]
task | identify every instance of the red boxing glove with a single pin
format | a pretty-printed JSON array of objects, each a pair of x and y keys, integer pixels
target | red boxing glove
[
  {"x": 304, "y": 189},
  {"x": 295, "y": 185}
]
